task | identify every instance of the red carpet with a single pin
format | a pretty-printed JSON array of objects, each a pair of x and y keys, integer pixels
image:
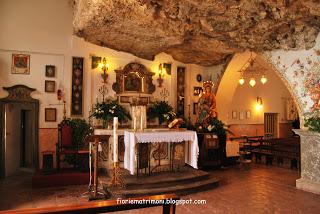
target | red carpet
[{"x": 63, "y": 178}]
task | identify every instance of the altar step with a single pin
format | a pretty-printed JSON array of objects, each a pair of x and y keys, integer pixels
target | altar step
[
  {"x": 166, "y": 179},
  {"x": 185, "y": 182},
  {"x": 177, "y": 188}
]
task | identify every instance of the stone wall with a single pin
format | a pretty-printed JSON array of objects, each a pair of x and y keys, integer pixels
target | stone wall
[{"x": 310, "y": 161}]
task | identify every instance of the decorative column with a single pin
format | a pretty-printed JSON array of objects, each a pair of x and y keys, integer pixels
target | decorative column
[{"x": 310, "y": 161}]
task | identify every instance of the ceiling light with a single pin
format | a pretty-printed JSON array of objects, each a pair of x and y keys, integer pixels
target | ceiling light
[
  {"x": 241, "y": 81},
  {"x": 263, "y": 79},
  {"x": 252, "y": 82}
]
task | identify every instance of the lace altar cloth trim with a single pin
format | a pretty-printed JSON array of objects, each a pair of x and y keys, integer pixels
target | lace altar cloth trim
[
  {"x": 165, "y": 136},
  {"x": 131, "y": 139}
]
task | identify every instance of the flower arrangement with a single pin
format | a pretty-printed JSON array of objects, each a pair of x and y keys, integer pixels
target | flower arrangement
[
  {"x": 161, "y": 110},
  {"x": 213, "y": 125},
  {"x": 109, "y": 109},
  {"x": 312, "y": 120},
  {"x": 80, "y": 130}
]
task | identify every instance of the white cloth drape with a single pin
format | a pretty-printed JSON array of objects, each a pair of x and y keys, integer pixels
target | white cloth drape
[
  {"x": 232, "y": 148},
  {"x": 132, "y": 138},
  {"x": 138, "y": 112}
]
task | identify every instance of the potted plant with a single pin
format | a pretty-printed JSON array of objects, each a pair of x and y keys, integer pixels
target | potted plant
[
  {"x": 312, "y": 121},
  {"x": 161, "y": 110},
  {"x": 109, "y": 109},
  {"x": 80, "y": 130}
]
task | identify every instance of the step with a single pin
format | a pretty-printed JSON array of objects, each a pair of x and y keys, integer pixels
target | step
[
  {"x": 167, "y": 180},
  {"x": 179, "y": 189}
]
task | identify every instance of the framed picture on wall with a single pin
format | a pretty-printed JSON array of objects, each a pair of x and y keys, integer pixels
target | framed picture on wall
[
  {"x": 242, "y": 115},
  {"x": 50, "y": 71},
  {"x": 77, "y": 86},
  {"x": 95, "y": 61},
  {"x": 50, "y": 114},
  {"x": 50, "y": 86},
  {"x": 20, "y": 64},
  {"x": 195, "y": 108},
  {"x": 167, "y": 67},
  {"x": 199, "y": 77},
  {"x": 234, "y": 114},
  {"x": 197, "y": 91},
  {"x": 248, "y": 114}
]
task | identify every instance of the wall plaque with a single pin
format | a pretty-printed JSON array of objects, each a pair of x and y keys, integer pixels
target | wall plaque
[
  {"x": 77, "y": 86},
  {"x": 180, "y": 91}
]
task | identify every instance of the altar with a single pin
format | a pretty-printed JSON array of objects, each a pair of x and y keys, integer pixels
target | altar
[
  {"x": 191, "y": 148},
  {"x": 172, "y": 142}
]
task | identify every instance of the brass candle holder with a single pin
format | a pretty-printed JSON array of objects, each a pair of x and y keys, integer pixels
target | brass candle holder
[{"x": 116, "y": 180}]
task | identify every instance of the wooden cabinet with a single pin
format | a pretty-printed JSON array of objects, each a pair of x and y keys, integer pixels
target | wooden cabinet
[{"x": 210, "y": 154}]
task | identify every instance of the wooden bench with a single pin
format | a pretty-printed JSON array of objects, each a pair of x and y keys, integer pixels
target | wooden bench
[
  {"x": 279, "y": 148},
  {"x": 106, "y": 206}
]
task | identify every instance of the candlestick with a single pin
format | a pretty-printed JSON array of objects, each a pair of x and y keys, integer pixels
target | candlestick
[
  {"x": 115, "y": 140},
  {"x": 188, "y": 100}
]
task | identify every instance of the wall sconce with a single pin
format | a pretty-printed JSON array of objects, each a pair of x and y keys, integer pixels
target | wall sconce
[
  {"x": 259, "y": 105},
  {"x": 161, "y": 74},
  {"x": 103, "y": 90},
  {"x": 104, "y": 67}
]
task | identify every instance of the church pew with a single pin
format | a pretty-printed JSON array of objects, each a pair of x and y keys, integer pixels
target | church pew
[{"x": 279, "y": 148}]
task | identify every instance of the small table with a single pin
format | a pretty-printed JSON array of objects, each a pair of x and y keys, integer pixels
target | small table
[{"x": 154, "y": 136}]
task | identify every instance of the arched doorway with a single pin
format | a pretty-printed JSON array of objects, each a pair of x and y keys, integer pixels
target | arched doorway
[
  {"x": 19, "y": 118},
  {"x": 237, "y": 103}
]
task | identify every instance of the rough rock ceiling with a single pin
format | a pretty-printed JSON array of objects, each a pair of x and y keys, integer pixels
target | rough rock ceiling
[{"x": 203, "y": 32}]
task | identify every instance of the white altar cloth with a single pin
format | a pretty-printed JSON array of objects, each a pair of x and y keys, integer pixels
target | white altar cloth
[{"x": 132, "y": 138}]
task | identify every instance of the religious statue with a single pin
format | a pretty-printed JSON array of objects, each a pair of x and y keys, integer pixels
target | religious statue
[{"x": 207, "y": 104}]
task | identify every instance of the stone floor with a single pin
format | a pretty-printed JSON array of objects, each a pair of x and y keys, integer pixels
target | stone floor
[{"x": 262, "y": 189}]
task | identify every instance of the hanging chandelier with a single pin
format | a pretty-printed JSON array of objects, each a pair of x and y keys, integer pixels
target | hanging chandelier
[{"x": 248, "y": 67}]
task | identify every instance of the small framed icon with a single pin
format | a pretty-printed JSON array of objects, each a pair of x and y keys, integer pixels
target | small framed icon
[
  {"x": 50, "y": 71},
  {"x": 50, "y": 114},
  {"x": 50, "y": 86}
]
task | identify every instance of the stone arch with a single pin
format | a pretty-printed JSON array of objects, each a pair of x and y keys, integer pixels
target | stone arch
[
  {"x": 229, "y": 82},
  {"x": 294, "y": 96}
]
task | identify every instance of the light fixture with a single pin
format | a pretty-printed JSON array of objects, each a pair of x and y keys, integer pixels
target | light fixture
[
  {"x": 252, "y": 82},
  {"x": 161, "y": 74},
  {"x": 259, "y": 105},
  {"x": 248, "y": 66},
  {"x": 104, "y": 67},
  {"x": 103, "y": 90},
  {"x": 241, "y": 81},
  {"x": 263, "y": 79}
]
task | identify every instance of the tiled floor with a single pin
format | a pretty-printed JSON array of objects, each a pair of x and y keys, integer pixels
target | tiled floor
[{"x": 261, "y": 189}]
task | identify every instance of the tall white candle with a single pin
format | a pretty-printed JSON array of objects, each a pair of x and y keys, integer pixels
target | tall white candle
[
  {"x": 115, "y": 140},
  {"x": 134, "y": 123},
  {"x": 142, "y": 85},
  {"x": 133, "y": 114},
  {"x": 141, "y": 121}
]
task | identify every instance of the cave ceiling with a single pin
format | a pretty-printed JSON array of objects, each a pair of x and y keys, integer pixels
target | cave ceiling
[{"x": 202, "y": 32}]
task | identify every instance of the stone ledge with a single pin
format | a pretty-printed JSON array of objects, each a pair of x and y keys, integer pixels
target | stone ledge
[
  {"x": 308, "y": 185},
  {"x": 303, "y": 133}
]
